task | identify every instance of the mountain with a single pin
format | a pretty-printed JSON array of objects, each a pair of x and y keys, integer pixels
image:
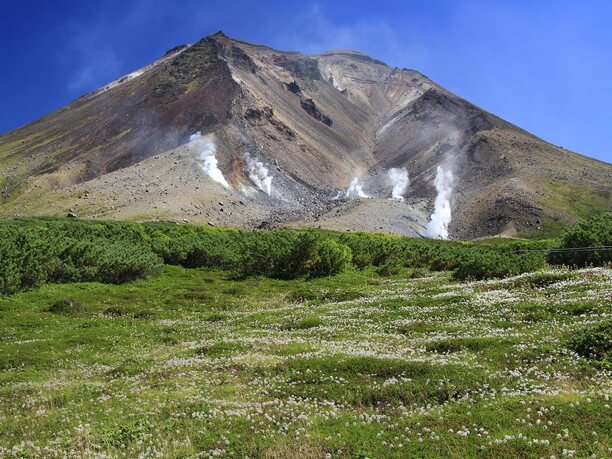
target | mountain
[{"x": 292, "y": 135}]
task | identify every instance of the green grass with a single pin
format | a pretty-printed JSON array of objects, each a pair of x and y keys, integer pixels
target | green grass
[
  {"x": 573, "y": 199},
  {"x": 353, "y": 365},
  {"x": 9, "y": 148}
]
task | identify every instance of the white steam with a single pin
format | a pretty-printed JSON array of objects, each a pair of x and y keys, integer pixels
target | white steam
[
  {"x": 441, "y": 217},
  {"x": 355, "y": 190},
  {"x": 206, "y": 158},
  {"x": 400, "y": 181},
  {"x": 259, "y": 174}
]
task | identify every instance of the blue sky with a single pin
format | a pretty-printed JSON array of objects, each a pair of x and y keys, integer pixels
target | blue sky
[{"x": 543, "y": 65}]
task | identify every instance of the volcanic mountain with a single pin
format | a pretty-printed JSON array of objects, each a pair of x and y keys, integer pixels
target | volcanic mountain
[{"x": 238, "y": 134}]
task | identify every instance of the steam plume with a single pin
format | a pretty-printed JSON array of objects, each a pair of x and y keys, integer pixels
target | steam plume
[
  {"x": 441, "y": 217},
  {"x": 355, "y": 189},
  {"x": 206, "y": 158},
  {"x": 400, "y": 181},
  {"x": 259, "y": 174}
]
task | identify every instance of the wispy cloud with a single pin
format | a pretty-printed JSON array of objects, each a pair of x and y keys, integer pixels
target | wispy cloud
[
  {"x": 97, "y": 44},
  {"x": 314, "y": 31},
  {"x": 94, "y": 62},
  {"x": 96, "y": 67}
]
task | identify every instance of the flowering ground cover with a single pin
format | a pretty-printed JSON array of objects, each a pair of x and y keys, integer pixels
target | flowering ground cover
[{"x": 195, "y": 363}]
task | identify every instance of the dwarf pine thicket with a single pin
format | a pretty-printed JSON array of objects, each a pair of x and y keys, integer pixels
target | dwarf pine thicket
[
  {"x": 595, "y": 232},
  {"x": 37, "y": 251}
]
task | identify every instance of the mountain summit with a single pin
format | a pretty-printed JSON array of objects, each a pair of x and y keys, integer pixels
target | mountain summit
[{"x": 232, "y": 133}]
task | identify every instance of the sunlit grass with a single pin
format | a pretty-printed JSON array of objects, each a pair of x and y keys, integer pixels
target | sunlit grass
[{"x": 355, "y": 365}]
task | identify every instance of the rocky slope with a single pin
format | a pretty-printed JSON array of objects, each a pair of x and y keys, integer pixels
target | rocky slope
[{"x": 290, "y": 133}]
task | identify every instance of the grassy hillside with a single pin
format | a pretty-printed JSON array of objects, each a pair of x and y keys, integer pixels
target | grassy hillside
[
  {"x": 577, "y": 200},
  {"x": 164, "y": 340},
  {"x": 354, "y": 365}
]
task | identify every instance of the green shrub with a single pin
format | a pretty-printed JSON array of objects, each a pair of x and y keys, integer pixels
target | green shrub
[
  {"x": 367, "y": 249},
  {"x": 35, "y": 251},
  {"x": 287, "y": 254},
  {"x": 325, "y": 257},
  {"x": 67, "y": 307},
  {"x": 38, "y": 250},
  {"x": 488, "y": 264},
  {"x": 594, "y": 342},
  {"x": 595, "y": 232},
  {"x": 102, "y": 261},
  {"x": 198, "y": 249},
  {"x": 25, "y": 260},
  {"x": 276, "y": 253},
  {"x": 476, "y": 266},
  {"x": 116, "y": 311},
  {"x": 303, "y": 324},
  {"x": 118, "y": 264},
  {"x": 391, "y": 267}
]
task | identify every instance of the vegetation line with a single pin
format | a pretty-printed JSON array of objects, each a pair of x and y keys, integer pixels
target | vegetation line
[
  {"x": 35, "y": 251},
  {"x": 569, "y": 249}
]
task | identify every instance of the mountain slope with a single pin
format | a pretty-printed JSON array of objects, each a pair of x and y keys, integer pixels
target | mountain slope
[{"x": 313, "y": 124}]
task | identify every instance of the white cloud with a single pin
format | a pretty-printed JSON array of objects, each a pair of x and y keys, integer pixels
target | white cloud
[
  {"x": 93, "y": 61},
  {"x": 315, "y": 32},
  {"x": 95, "y": 68}
]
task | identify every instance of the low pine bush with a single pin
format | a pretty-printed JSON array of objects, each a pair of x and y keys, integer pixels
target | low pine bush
[
  {"x": 67, "y": 306},
  {"x": 198, "y": 249},
  {"x": 25, "y": 260},
  {"x": 118, "y": 264},
  {"x": 276, "y": 253},
  {"x": 102, "y": 261},
  {"x": 369, "y": 249},
  {"x": 595, "y": 232},
  {"x": 34, "y": 251},
  {"x": 488, "y": 264},
  {"x": 391, "y": 267},
  {"x": 324, "y": 257},
  {"x": 287, "y": 254},
  {"x": 593, "y": 342}
]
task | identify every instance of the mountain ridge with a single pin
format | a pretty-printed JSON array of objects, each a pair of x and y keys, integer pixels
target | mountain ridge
[{"x": 316, "y": 123}]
